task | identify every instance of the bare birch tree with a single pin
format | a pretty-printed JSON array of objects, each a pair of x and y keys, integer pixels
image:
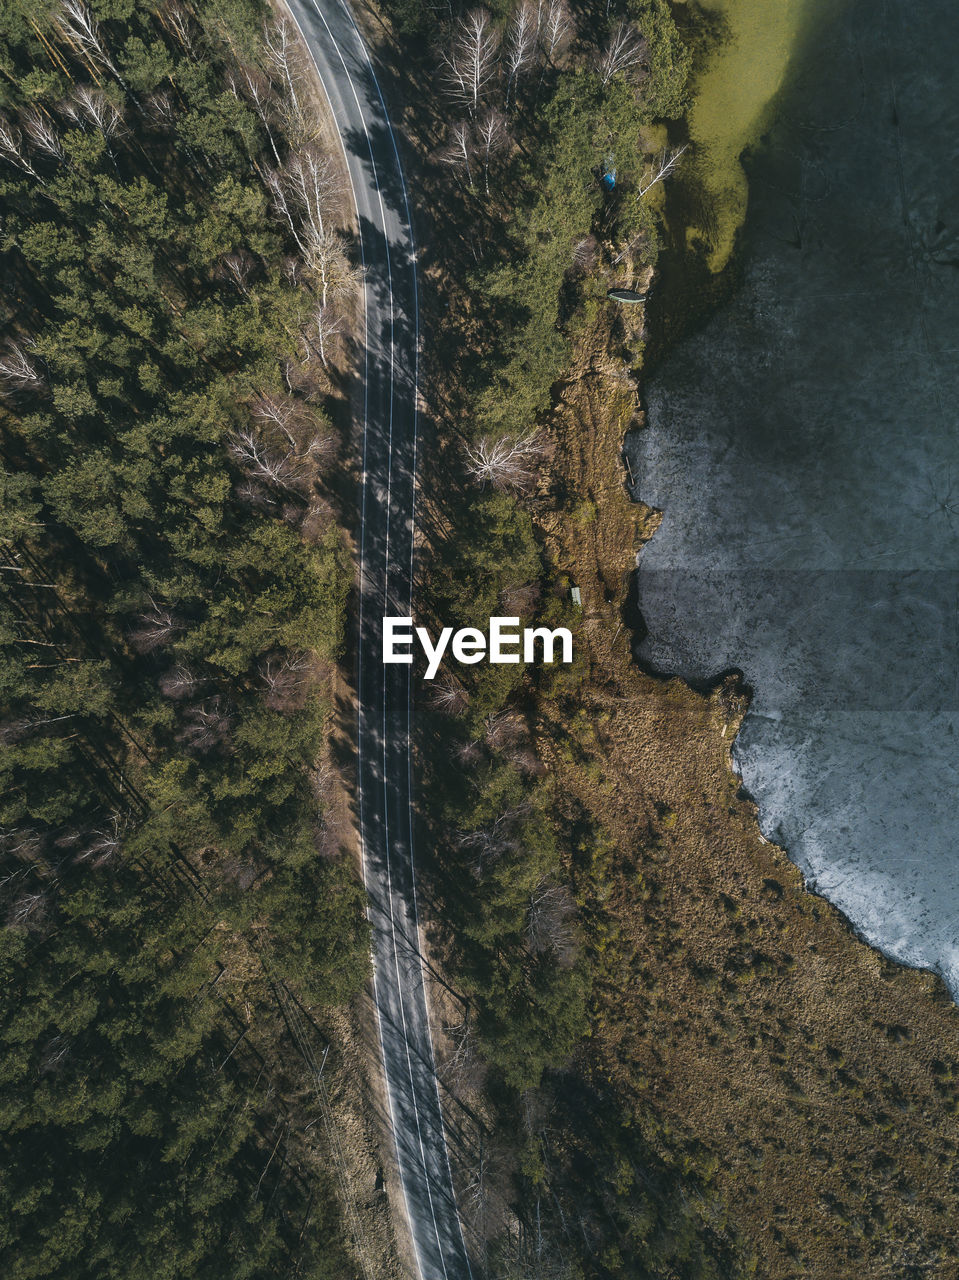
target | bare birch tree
[
  {"x": 27, "y": 846},
  {"x": 102, "y": 845},
  {"x": 206, "y": 725},
  {"x": 285, "y": 59},
  {"x": 302, "y": 195},
  {"x": 38, "y": 127},
  {"x": 449, "y": 696},
  {"x": 28, "y": 911},
  {"x": 237, "y": 267},
  {"x": 282, "y": 411},
  {"x": 81, "y": 29},
  {"x": 507, "y": 463},
  {"x": 260, "y": 459},
  {"x": 326, "y": 323},
  {"x": 503, "y": 728},
  {"x": 470, "y": 61},
  {"x": 283, "y": 677},
  {"x": 279, "y": 37},
  {"x": 586, "y": 254},
  {"x": 54, "y": 1054},
  {"x": 17, "y": 371},
  {"x": 660, "y": 169},
  {"x": 469, "y": 754},
  {"x": 255, "y": 495},
  {"x": 93, "y": 106},
  {"x": 322, "y": 779},
  {"x": 626, "y": 51},
  {"x": 526, "y": 761},
  {"x": 492, "y": 136},
  {"x": 154, "y": 628},
  {"x": 160, "y": 107},
  {"x": 278, "y": 454},
  {"x": 458, "y": 150},
  {"x": 333, "y": 273},
  {"x": 549, "y": 922},
  {"x": 484, "y": 847},
  {"x": 555, "y": 29},
  {"x": 310, "y": 177},
  {"x": 256, "y": 88},
  {"x": 489, "y": 843},
  {"x": 177, "y": 19},
  {"x": 11, "y": 148},
  {"x": 16, "y": 730},
  {"x": 521, "y": 599},
  {"x": 463, "y": 1068},
  {"x": 522, "y": 35},
  {"x": 177, "y": 683},
  {"x": 281, "y": 203}
]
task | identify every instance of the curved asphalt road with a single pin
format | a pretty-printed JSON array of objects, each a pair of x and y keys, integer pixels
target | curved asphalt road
[{"x": 386, "y": 568}]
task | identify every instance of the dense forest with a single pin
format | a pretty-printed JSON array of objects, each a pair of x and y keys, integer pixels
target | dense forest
[{"x": 173, "y": 902}]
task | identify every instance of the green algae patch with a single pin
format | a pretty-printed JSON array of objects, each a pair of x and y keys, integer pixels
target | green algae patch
[{"x": 732, "y": 96}]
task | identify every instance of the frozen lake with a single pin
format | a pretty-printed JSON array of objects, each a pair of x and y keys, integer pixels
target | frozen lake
[{"x": 803, "y": 447}]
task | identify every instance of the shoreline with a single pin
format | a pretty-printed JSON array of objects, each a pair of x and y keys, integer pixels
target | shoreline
[
  {"x": 888, "y": 906},
  {"x": 711, "y": 686}
]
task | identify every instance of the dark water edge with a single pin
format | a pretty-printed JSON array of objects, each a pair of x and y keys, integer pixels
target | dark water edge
[{"x": 802, "y": 446}]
